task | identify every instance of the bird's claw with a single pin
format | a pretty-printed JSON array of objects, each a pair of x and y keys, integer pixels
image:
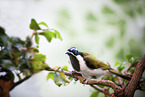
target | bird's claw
[{"x": 76, "y": 73}]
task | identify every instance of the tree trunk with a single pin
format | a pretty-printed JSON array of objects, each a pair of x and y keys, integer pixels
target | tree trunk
[{"x": 5, "y": 86}]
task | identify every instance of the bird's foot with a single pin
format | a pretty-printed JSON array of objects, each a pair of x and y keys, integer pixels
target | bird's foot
[
  {"x": 85, "y": 80},
  {"x": 76, "y": 73}
]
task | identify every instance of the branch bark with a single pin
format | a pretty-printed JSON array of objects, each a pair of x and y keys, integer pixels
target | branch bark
[
  {"x": 132, "y": 86},
  {"x": 5, "y": 86}
]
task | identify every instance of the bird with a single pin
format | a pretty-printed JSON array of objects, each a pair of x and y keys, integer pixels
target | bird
[{"x": 89, "y": 67}]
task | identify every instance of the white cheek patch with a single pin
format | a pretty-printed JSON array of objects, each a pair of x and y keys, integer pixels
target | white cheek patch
[{"x": 87, "y": 72}]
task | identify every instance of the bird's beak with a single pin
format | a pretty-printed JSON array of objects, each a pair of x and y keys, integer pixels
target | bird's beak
[{"x": 67, "y": 52}]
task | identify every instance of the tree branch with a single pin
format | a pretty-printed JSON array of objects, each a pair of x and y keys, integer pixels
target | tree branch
[
  {"x": 130, "y": 66},
  {"x": 97, "y": 88},
  {"x": 91, "y": 82},
  {"x": 132, "y": 86},
  {"x": 105, "y": 91},
  {"x": 19, "y": 82}
]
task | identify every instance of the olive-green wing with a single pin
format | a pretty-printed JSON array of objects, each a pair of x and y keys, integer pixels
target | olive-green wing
[{"x": 94, "y": 63}]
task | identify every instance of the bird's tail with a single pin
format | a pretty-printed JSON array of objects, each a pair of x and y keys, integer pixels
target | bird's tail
[{"x": 120, "y": 74}]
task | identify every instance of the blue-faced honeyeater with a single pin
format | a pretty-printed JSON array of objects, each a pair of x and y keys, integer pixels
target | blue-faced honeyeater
[{"x": 88, "y": 66}]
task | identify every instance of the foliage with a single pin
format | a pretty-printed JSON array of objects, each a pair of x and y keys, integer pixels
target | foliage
[
  {"x": 59, "y": 78},
  {"x": 94, "y": 94},
  {"x": 49, "y": 34},
  {"x": 19, "y": 56},
  {"x": 121, "y": 67}
]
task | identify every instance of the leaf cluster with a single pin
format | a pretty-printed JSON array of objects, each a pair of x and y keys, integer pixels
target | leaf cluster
[
  {"x": 19, "y": 56},
  {"x": 49, "y": 34},
  {"x": 59, "y": 78}
]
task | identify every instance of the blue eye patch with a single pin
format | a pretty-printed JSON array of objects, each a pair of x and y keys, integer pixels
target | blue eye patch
[{"x": 73, "y": 50}]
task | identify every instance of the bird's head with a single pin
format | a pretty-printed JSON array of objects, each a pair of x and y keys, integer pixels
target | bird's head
[
  {"x": 74, "y": 52},
  {"x": 76, "y": 57}
]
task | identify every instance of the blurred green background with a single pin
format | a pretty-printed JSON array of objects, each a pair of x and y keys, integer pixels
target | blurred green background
[{"x": 107, "y": 29}]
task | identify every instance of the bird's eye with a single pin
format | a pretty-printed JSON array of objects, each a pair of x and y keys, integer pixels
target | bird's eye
[{"x": 75, "y": 51}]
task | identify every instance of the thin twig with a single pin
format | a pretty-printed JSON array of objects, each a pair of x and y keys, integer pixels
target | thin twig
[
  {"x": 130, "y": 66},
  {"x": 120, "y": 82},
  {"x": 33, "y": 34},
  {"x": 19, "y": 82},
  {"x": 97, "y": 88}
]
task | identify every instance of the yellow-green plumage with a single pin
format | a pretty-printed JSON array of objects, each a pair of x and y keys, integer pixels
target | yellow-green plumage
[{"x": 95, "y": 64}]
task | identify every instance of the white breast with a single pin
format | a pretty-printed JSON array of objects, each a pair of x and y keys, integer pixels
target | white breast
[{"x": 87, "y": 72}]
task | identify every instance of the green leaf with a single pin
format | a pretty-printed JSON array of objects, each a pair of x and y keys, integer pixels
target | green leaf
[
  {"x": 52, "y": 34},
  {"x": 48, "y": 35},
  {"x": 63, "y": 77},
  {"x": 35, "y": 50},
  {"x": 37, "y": 63},
  {"x": 39, "y": 57},
  {"x": 130, "y": 58},
  {"x": 9, "y": 48},
  {"x": 38, "y": 66},
  {"x": 65, "y": 68},
  {"x": 37, "y": 39},
  {"x": 116, "y": 63},
  {"x": 2, "y": 31},
  {"x": 132, "y": 70},
  {"x": 3, "y": 37},
  {"x": 58, "y": 34},
  {"x": 58, "y": 84},
  {"x": 107, "y": 77},
  {"x": 101, "y": 86},
  {"x": 28, "y": 42},
  {"x": 43, "y": 23},
  {"x": 94, "y": 94},
  {"x": 50, "y": 76},
  {"x": 120, "y": 67},
  {"x": 57, "y": 79},
  {"x": 34, "y": 25}
]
